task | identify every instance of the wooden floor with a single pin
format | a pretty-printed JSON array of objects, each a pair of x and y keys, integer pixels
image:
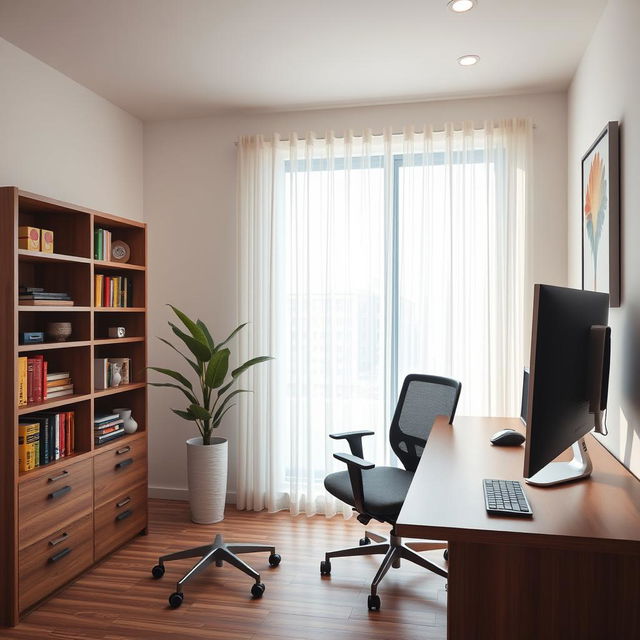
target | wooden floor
[{"x": 119, "y": 599}]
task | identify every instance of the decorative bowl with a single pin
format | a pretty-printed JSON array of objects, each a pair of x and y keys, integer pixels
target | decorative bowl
[{"x": 58, "y": 331}]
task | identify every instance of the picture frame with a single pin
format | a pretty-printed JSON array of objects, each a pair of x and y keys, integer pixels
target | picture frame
[{"x": 600, "y": 215}]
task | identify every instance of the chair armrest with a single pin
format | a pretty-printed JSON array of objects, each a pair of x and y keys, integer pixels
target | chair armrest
[
  {"x": 354, "y": 460},
  {"x": 354, "y": 438},
  {"x": 355, "y": 467}
]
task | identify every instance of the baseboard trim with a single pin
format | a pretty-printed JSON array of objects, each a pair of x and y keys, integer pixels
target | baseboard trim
[{"x": 168, "y": 493}]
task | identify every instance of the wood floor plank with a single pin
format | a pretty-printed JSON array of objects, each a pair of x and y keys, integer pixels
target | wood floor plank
[{"x": 118, "y": 599}]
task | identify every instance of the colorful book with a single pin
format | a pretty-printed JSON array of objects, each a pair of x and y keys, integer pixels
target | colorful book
[
  {"x": 59, "y": 394},
  {"x": 44, "y": 303},
  {"x": 108, "y": 437},
  {"x": 53, "y": 384},
  {"x": 28, "y": 450},
  {"x": 57, "y": 375},
  {"x": 22, "y": 382}
]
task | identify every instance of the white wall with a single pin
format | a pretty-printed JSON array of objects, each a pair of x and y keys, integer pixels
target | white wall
[
  {"x": 60, "y": 140},
  {"x": 190, "y": 173},
  {"x": 606, "y": 88}
]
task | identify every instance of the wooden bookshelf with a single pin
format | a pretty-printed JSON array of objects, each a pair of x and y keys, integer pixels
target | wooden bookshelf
[{"x": 30, "y": 516}]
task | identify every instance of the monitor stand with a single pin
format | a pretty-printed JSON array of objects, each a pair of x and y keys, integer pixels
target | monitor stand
[{"x": 559, "y": 472}]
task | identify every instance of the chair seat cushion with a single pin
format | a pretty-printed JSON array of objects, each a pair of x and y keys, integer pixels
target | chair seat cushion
[{"x": 385, "y": 489}]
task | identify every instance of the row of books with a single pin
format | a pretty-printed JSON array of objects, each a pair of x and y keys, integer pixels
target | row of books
[
  {"x": 111, "y": 372},
  {"x": 36, "y": 384},
  {"x": 113, "y": 291},
  {"x": 37, "y": 296},
  {"x": 45, "y": 437},
  {"x": 107, "y": 427},
  {"x": 101, "y": 244}
]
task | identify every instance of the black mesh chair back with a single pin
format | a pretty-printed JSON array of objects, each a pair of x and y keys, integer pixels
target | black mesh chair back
[{"x": 422, "y": 398}]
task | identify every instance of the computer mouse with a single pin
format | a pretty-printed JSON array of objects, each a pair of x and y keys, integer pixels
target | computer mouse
[{"x": 507, "y": 438}]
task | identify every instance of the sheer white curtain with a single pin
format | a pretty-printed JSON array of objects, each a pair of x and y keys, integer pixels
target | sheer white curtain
[{"x": 361, "y": 259}]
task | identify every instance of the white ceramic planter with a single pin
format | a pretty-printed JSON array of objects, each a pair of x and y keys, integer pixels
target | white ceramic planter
[{"x": 207, "y": 471}]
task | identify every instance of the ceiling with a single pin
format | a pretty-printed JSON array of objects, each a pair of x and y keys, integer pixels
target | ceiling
[{"x": 182, "y": 58}]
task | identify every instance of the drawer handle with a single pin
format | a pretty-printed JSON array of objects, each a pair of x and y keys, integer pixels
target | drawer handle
[
  {"x": 123, "y": 502},
  {"x": 124, "y": 515},
  {"x": 126, "y": 449},
  {"x": 124, "y": 463},
  {"x": 57, "y": 541},
  {"x": 61, "y": 554},
  {"x": 59, "y": 493},
  {"x": 62, "y": 475}
]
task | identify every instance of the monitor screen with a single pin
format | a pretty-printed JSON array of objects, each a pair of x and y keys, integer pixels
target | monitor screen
[{"x": 558, "y": 398}]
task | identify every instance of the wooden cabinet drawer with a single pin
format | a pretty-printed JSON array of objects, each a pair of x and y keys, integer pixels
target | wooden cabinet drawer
[
  {"x": 120, "y": 519},
  {"x": 49, "y": 501},
  {"x": 118, "y": 469},
  {"x": 47, "y": 564}
]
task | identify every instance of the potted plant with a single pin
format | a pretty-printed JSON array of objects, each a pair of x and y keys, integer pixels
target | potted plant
[{"x": 209, "y": 399}]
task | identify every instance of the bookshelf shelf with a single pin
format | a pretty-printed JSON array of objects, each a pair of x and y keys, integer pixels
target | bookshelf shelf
[
  {"x": 117, "y": 266},
  {"x": 46, "y": 307},
  {"x": 25, "y": 255},
  {"x": 46, "y": 346},
  {"x": 119, "y": 309},
  {"x": 54, "y": 403},
  {"x": 103, "y": 341},
  {"x": 99, "y": 393},
  {"x": 72, "y": 269}
]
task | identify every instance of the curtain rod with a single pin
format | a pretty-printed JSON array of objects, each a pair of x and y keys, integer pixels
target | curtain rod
[{"x": 379, "y": 133}]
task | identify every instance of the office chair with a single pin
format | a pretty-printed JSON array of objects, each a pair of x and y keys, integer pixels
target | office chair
[
  {"x": 379, "y": 492},
  {"x": 219, "y": 552}
]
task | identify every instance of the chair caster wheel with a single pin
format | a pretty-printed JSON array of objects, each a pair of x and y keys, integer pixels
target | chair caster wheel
[
  {"x": 257, "y": 590},
  {"x": 157, "y": 571},
  {"x": 325, "y": 568},
  {"x": 175, "y": 600},
  {"x": 275, "y": 559},
  {"x": 446, "y": 554},
  {"x": 364, "y": 541},
  {"x": 373, "y": 602}
]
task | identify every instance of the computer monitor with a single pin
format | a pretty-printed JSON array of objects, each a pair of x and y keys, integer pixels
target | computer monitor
[{"x": 568, "y": 381}]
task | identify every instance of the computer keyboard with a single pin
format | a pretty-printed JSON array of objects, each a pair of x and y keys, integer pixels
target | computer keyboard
[{"x": 505, "y": 497}]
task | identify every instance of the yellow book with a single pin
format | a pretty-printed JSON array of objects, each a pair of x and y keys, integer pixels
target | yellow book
[
  {"x": 22, "y": 382},
  {"x": 98, "y": 292},
  {"x": 116, "y": 292},
  {"x": 28, "y": 446}
]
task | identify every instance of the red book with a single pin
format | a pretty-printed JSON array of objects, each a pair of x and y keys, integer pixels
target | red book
[
  {"x": 37, "y": 378},
  {"x": 30, "y": 364},
  {"x": 107, "y": 287},
  {"x": 44, "y": 379},
  {"x": 67, "y": 436},
  {"x": 61, "y": 427}
]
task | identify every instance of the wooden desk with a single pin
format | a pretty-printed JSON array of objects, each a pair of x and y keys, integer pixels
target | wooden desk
[{"x": 571, "y": 571}]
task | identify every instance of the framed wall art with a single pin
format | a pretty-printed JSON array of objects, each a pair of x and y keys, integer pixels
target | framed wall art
[{"x": 601, "y": 215}]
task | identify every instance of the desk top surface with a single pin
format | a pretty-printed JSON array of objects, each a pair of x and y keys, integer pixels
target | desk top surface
[{"x": 445, "y": 500}]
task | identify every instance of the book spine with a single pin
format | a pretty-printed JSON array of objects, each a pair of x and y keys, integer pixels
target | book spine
[
  {"x": 37, "y": 378},
  {"x": 70, "y": 431},
  {"x": 30, "y": 365},
  {"x": 52, "y": 438},
  {"x": 44, "y": 438},
  {"x": 62, "y": 426},
  {"x": 56, "y": 426},
  {"x": 22, "y": 381},
  {"x": 45, "y": 391}
]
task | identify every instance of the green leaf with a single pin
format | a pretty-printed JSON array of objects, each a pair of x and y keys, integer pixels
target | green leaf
[
  {"x": 173, "y": 374},
  {"x": 184, "y": 414},
  {"x": 199, "y": 412},
  {"x": 193, "y": 327},
  {"x": 249, "y": 363},
  {"x": 200, "y": 351},
  {"x": 233, "y": 333},
  {"x": 220, "y": 412},
  {"x": 192, "y": 364},
  {"x": 207, "y": 334},
  {"x": 226, "y": 387},
  {"x": 217, "y": 368},
  {"x": 219, "y": 420},
  {"x": 189, "y": 395}
]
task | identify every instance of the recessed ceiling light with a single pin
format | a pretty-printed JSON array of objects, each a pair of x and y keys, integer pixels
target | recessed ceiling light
[
  {"x": 460, "y": 6},
  {"x": 467, "y": 61}
]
